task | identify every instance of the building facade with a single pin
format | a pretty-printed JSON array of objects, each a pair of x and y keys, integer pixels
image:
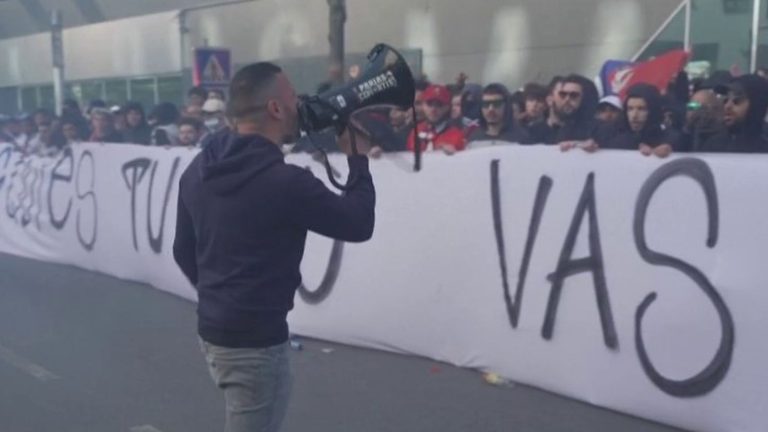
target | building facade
[{"x": 146, "y": 57}]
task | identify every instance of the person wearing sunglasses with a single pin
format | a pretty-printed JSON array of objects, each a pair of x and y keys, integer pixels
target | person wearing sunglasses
[
  {"x": 571, "y": 122},
  {"x": 497, "y": 125},
  {"x": 745, "y": 107},
  {"x": 703, "y": 120},
  {"x": 642, "y": 125},
  {"x": 436, "y": 132}
]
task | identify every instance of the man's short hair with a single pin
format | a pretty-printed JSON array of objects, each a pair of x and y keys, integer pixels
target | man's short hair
[
  {"x": 496, "y": 89},
  {"x": 98, "y": 111},
  {"x": 535, "y": 91},
  {"x": 556, "y": 81},
  {"x": 574, "y": 79},
  {"x": 518, "y": 99},
  {"x": 191, "y": 121},
  {"x": 198, "y": 91},
  {"x": 248, "y": 85}
]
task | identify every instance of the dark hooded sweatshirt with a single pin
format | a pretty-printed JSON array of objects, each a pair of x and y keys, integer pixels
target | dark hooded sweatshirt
[
  {"x": 748, "y": 136},
  {"x": 243, "y": 217},
  {"x": 652, "y": 133},
  {"x": 511, "y": 132},
  {"x": 581, "y": 126}
]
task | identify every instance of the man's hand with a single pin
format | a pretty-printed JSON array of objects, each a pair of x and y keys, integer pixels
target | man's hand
[
  {"x": 362, "y": 140},
  {"x": 589, "y": 146},
  {"x": 646, "y": 150},
  {"x": 663, "y": 150},
  {"x": 375, "y": 152}
]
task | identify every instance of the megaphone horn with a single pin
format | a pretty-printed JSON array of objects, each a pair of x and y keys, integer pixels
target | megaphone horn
[{"x": 386, "y": 80}]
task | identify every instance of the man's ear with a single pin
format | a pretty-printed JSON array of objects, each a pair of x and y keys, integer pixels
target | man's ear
[{"x": 274, "y": 108}]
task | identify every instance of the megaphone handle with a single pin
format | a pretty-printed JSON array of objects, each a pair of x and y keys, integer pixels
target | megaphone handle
[
  {"x": 353, "y": 140},
  {"x": 416, "y": 142}
]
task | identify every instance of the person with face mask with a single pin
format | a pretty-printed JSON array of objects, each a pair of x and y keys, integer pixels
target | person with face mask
[
  {"x": 213, "y": 115},
  {"x": 745, "y": 107},
  {"x": 642, "y": 124}
]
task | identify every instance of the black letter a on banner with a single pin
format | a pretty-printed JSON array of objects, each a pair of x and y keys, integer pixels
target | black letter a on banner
[{"x": 566, "y": 266}]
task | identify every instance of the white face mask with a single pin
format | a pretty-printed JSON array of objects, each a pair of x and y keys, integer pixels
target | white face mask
[{"x": 212, "y": 123}]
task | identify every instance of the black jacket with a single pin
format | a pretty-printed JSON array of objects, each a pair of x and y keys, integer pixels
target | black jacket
[
  {"x": 511, "y": 132},
  {"x": 576, "y": 129},
  {"x": 243, "y": 217},
  {"x": 747, "y": 137},
  {"x": 138, "y": 135},
  {"x": 652, "y": 133}
]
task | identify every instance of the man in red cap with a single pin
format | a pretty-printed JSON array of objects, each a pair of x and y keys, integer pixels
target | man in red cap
[{"x": 436, "y": 132}]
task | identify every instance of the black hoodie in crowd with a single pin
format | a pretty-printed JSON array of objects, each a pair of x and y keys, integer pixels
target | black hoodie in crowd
[
  {"x": 511, "y": 132},
  {"x": 746, "y": 137},
  {"x": 142, "y": 134},
  {"x": 243, "y": 217},
  {"x": 652, "y": 133},
  {"x": 581, "y": 126}
]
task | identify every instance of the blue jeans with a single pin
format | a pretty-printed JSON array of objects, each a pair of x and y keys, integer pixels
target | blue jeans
[{"x": 256, "y": 384}]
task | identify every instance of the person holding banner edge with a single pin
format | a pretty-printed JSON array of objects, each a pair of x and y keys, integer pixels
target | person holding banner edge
[{"x": 242, "y": 220}]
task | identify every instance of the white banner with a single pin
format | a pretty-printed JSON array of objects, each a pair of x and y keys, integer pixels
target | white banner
[{"x": 629, "y": 282}]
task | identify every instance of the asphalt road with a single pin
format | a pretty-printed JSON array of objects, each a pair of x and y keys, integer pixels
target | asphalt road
[{"x": 82, "y": 352}]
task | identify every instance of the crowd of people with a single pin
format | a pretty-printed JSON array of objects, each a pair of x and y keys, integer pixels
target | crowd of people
[
  {"x": 42, "y": 132},
  {"x": 723, "y": 113}
]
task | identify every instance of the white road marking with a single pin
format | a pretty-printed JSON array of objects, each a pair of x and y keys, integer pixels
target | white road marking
[{"x": 19, "y": 362}]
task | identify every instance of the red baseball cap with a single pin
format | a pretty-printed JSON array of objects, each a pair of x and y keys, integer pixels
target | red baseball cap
[{"x": 437, "y": 93}]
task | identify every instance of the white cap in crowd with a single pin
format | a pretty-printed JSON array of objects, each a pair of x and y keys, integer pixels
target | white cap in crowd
[
  {"x": 613, "y": 101},
  {"x": 213, "y": 106}
]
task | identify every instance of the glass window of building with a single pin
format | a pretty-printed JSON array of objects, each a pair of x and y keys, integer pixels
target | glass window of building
[
  {"x": 116, "y": 91},
  {"x": 169, "y": 89},
  {"x": 143, "y": 91},
  {"x": 90, "y": 90},
  {"x": 29, "y": 98},
  {"x": 720, "y": 34},
  {"x": 9, "y": 100},
  {"x": 47, "y": 99}
]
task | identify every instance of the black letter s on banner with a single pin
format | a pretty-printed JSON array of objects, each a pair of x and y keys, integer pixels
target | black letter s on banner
[{"x": 711, "y": 376}]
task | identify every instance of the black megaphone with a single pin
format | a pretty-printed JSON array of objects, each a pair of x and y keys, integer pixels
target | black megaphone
[{"x": 386, "y": 80}]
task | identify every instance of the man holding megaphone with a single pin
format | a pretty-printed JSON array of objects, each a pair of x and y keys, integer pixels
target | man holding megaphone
[{"x": 242, "y": 221}]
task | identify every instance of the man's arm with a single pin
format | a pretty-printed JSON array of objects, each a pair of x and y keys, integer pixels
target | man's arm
[
  {"x": 184, "y": 243},
  {"x": 349, "y": 217}
]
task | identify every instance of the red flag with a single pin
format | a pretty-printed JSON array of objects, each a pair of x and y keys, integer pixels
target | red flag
[{"x": 657, "y": 72}]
